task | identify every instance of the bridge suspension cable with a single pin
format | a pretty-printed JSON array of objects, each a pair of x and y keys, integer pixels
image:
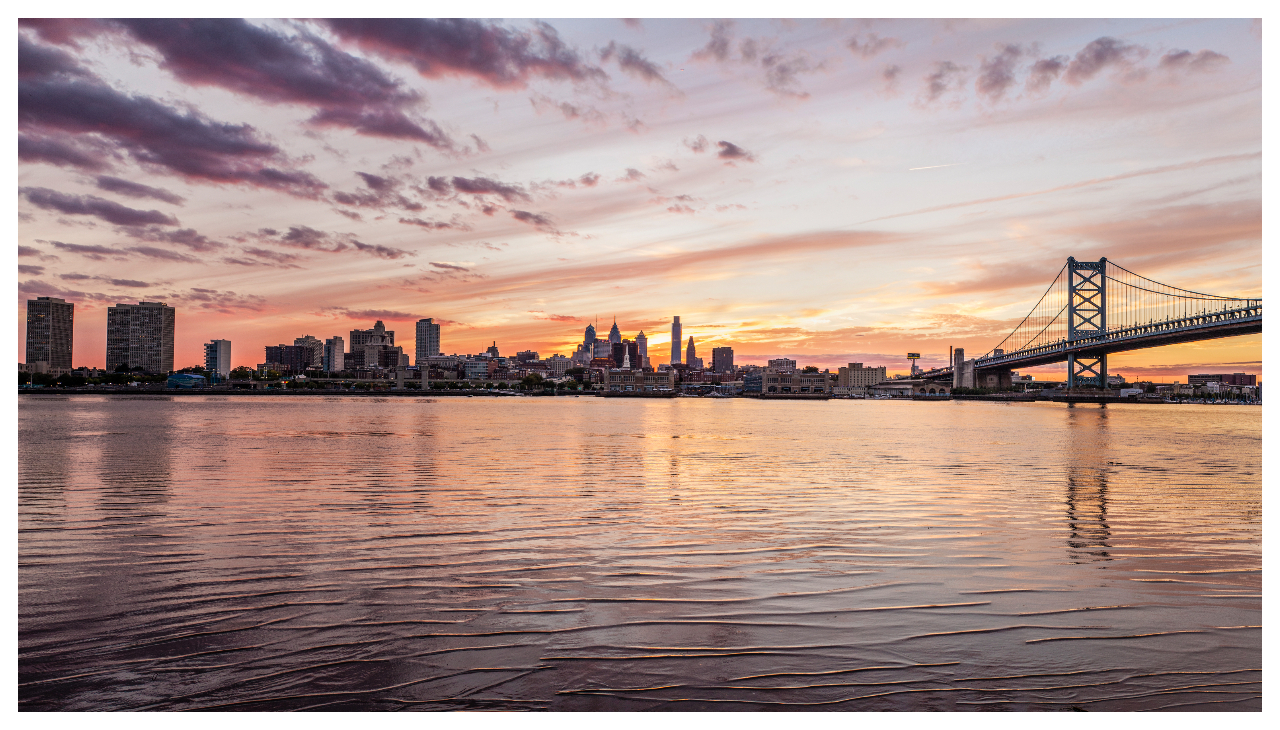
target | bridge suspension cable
[
  {"x": 1130, "y": 300},
  {"x": 1046, "y": 315}
]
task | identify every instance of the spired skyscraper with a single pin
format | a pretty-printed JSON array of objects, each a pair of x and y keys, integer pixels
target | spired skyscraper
[
  {"x": 675, "y": 341},
  {"x": 614, "y": 334},
  {"x": 49, "y": 334},
  {"x": 141, "y": 335},
  {"x": 642, "y": 347}
]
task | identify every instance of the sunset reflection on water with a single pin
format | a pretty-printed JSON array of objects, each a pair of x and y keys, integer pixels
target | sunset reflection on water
[{"x": 588, "y": 553}]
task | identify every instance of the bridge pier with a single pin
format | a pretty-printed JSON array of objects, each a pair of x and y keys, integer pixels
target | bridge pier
[
  {"x": 1092, "y": 368},
  {"x": 962, "y": 371},
  {"x": 996, "y": 379}
]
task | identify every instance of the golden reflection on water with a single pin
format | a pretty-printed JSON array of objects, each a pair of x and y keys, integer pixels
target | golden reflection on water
[{"x": 585, "y": 553}]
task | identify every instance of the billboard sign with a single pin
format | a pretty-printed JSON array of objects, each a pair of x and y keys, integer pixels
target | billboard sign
[{"x": 913, "y": 356}]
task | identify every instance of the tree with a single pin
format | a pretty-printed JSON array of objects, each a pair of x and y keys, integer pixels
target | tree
[
  {"x": 810, "y": 369},
  {"x": 531, "y": 382},
  {"x": 241, "y": 373}
]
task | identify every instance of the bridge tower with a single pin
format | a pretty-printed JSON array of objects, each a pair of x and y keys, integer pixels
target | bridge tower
[{"x": 1086, "y": 316}]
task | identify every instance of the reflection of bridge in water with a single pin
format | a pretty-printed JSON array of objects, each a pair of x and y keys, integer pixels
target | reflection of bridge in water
[{"x": 1094, "y": 308}]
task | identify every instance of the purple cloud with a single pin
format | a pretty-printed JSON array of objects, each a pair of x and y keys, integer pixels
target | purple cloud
[
  {"x": 946, "y": 76},
  {"x": 233, "y": 54},
  {"x": 730, "y": 151},
  {"x": 698, "y": 144},
  {"x": 718, "y": 47},
  {"x": 95, "y": 252},
  {"x": 102, "y": 208},
  {"x": 871, "y": 45},
  {"x": 64, "y": 151},
  {"x": 136, "y": 190},
  {"x": 382, "y": 252},
  {"x": 30, "y": 269},
  {"x": 1201, "y": 62},
  {"x": 1044, "y": 72},
  {"x": 1099, "y": 55},
  {"x": 631, "y": 61},
  {"x": 53, "y": 107},
  {"x": 996, "y": 74},
  {"x": 486, "y": 186},
  {"x": 183, "y": 236},
  {"x": 483, "y": 51}
]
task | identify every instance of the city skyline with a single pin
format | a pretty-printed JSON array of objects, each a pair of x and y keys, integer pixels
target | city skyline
[{"x": 830, "y": 192}]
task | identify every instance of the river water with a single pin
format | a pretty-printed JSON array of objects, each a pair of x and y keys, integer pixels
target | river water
[{"x": 271, "y": 553}]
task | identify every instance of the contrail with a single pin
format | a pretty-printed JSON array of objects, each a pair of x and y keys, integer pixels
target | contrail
[{"x": 930, "y": 167}]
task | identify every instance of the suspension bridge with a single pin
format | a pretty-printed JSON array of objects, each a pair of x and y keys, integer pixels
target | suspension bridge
[{"x": 1095, "y": 308}]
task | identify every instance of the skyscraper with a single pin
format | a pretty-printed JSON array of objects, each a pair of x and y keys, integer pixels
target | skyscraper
[
  {"x": 675, "y": 341},
  {"x": 690, "y": 352},
  {"x": 722, "y": 359},
  {"x": 614, "y": 334},
  {"x": 642, "y": 347},
  {"x": 141, "y": 335},
  {"x": 217, "y": 358},
  {"x": 334, "y": 360},
  {"x": 427, "y": 342},
  {"x": 49, "y": 333}
]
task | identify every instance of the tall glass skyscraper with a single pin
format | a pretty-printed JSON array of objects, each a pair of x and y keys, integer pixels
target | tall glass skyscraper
[{"x": 675, "y": 341}]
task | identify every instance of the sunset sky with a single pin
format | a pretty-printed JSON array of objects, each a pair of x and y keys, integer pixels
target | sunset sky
[{"x": 831, "y": 191}]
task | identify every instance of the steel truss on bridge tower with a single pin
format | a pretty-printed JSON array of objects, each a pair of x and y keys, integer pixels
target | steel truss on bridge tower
[
  {"x": 1093, "y": 308},
  {"x": 1086, "y": 316}
]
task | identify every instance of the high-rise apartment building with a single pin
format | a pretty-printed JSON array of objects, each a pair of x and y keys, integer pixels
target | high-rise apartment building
[
  {"x": 141, "y": 335},
  {"x": 427, "y": 342},
  {"x": 217, "y": 357},
  {"x": 722, "y": 359},
  {"x": 334, "y": 360},
  {"x": 49, "y": 334},
  {"x": 315, "y": 350},
  {"x": 675, "y": 341}
]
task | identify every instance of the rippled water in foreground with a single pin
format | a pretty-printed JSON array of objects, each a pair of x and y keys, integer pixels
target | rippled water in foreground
[{"x": 598, "y": 554}]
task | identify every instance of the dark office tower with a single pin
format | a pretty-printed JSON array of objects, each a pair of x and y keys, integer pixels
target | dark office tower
[
  {"x": 625, "y": 352},
  {"x": 49, "y": 333},
  {"x": 615, "y": 335},
  {"x": 722, "y": 359},
  {"x": 675, "y": 341},
  {"x": 140, "y": 335},
  {"x": 690, "y": 354}
]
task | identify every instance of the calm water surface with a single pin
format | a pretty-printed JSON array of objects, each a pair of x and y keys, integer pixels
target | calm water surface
[{"x": 596, "y": 554}]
